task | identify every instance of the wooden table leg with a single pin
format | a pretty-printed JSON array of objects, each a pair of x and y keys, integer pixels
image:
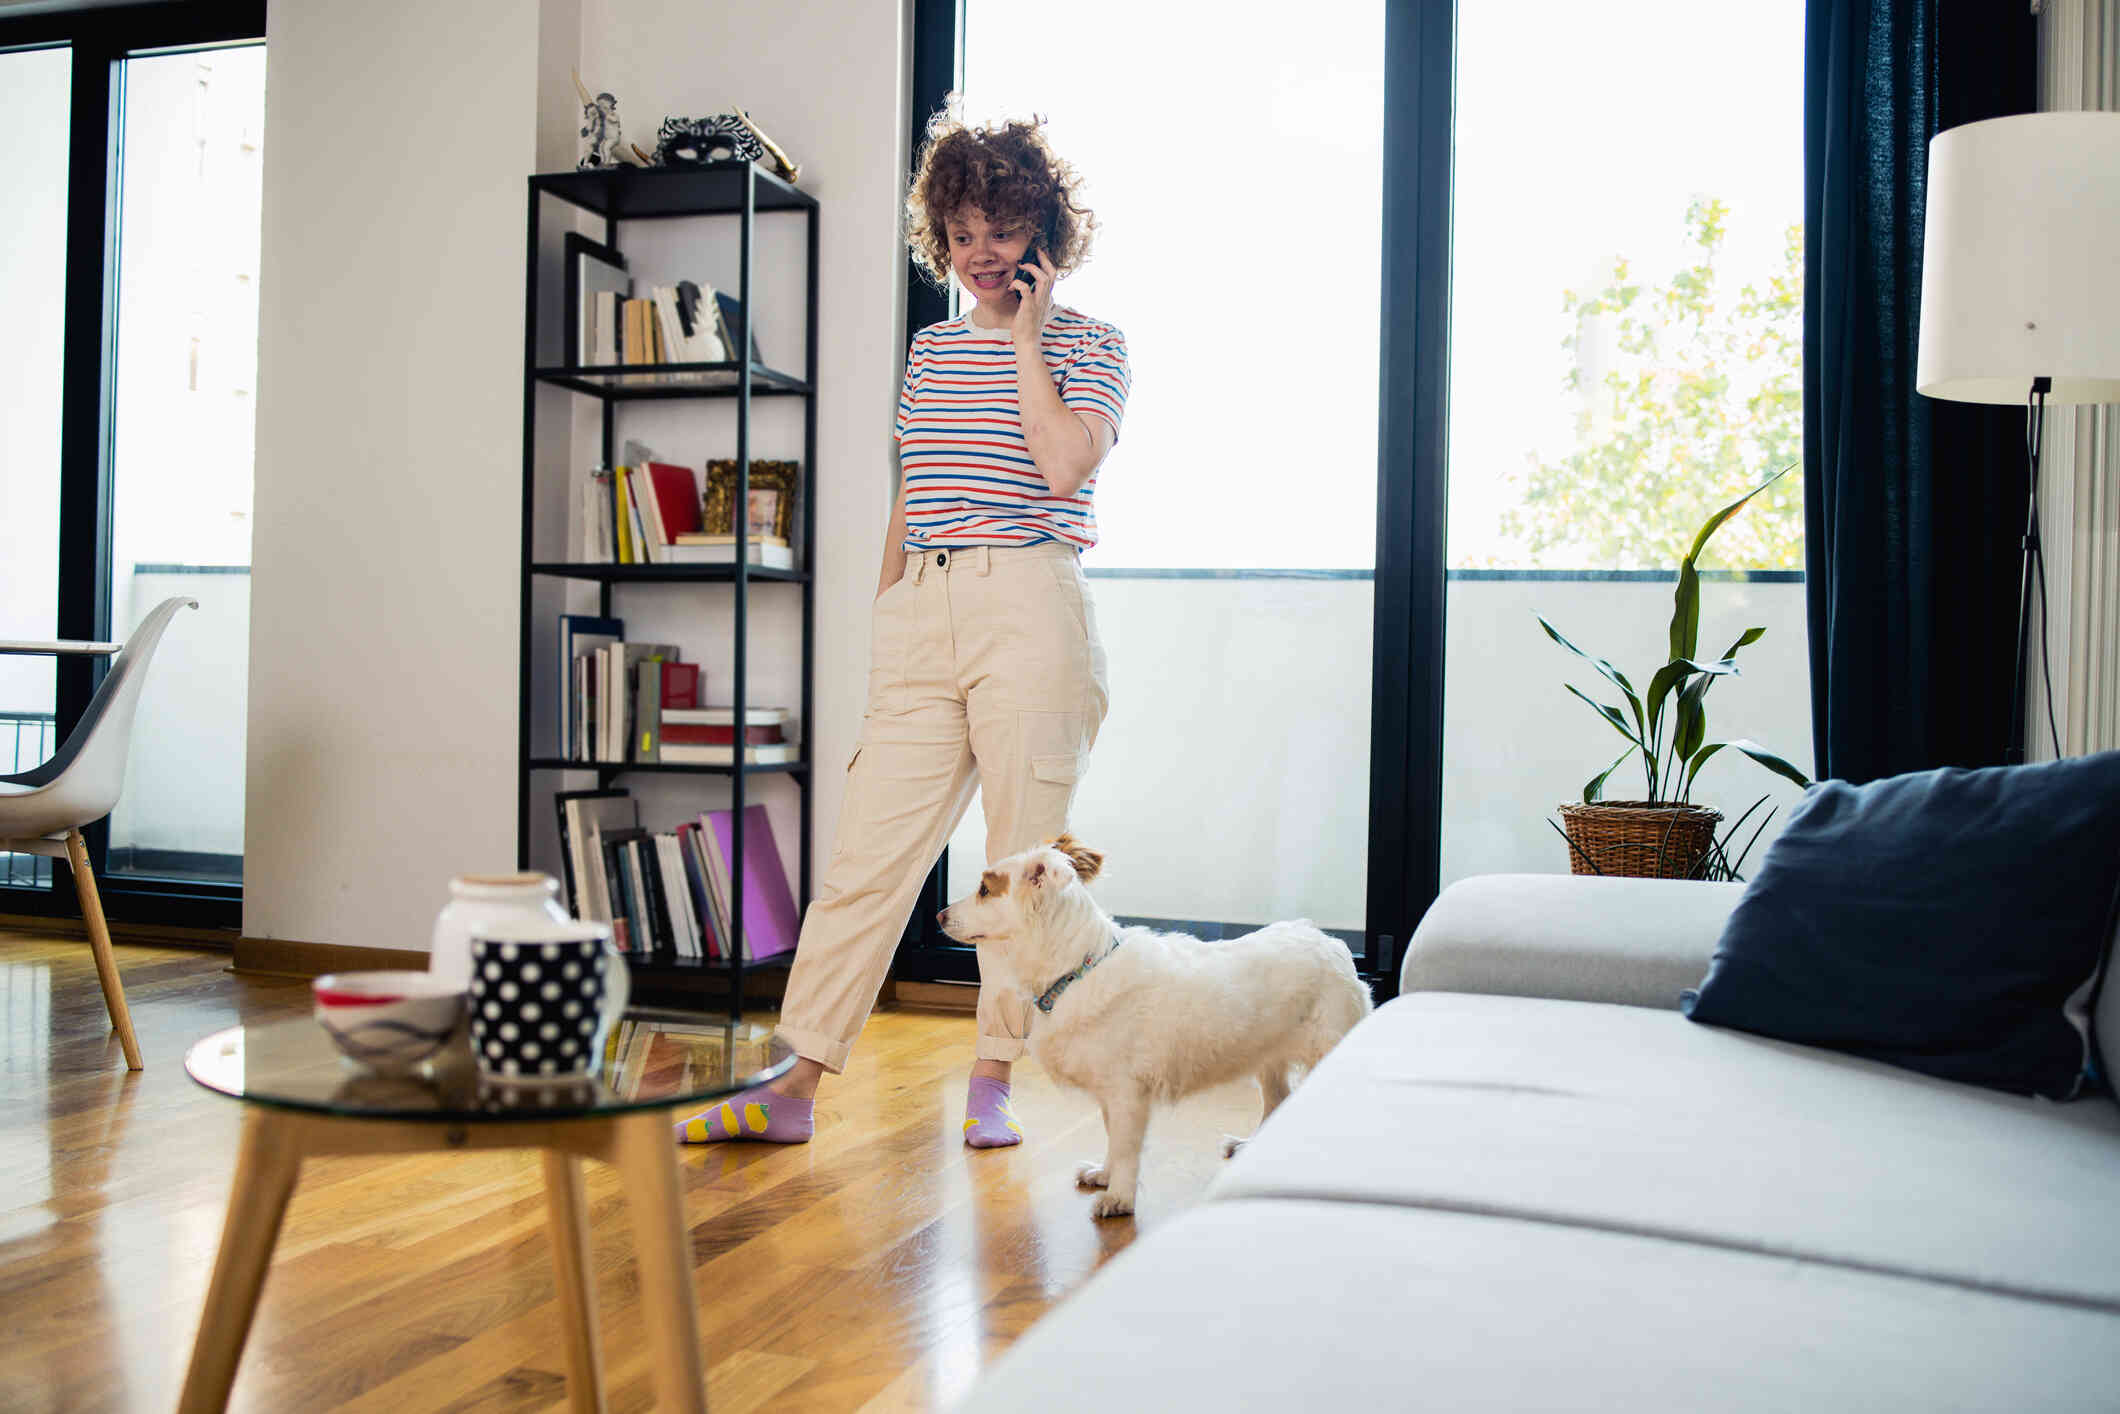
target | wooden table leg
[
  {"x": 647, "y": 1163},
  {"x": 577, "y": 1293},
  {"x": 266, "y": 1166}
]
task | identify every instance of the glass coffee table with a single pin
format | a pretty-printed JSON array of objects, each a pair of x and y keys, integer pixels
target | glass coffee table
[{"x": 304, "y": 1100}]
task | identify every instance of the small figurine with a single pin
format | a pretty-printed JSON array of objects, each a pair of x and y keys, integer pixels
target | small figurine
[{"x": 599, "y": 131}]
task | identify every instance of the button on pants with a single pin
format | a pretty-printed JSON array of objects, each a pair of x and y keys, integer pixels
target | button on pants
[{"x": 986, "y": 673}]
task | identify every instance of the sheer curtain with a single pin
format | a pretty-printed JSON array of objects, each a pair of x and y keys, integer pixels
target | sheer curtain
[{"x": 2079, "y": 68}]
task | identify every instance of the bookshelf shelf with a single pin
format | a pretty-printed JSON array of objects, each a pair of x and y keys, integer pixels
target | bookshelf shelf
[
  {"x": 738, "y": 191},
  {"x": 635, "y": 381},
  {"x": 665, "y": 963},
  {"x": 667, "y": 574},
  {"x": 637, "y": 193},
  {"x": 623, "y": 768}
]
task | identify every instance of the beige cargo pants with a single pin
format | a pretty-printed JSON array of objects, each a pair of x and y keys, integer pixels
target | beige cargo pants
[{"x": 985, "y": 671}]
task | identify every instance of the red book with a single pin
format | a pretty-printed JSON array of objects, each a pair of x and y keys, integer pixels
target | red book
[
  {"x": 686, "y": 734},
  {"x": 677, "y": 497},
  {"x": 680, "y": 685}
]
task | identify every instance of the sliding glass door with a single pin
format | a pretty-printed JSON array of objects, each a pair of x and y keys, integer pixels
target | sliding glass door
[
  {"x": 1626, "y": 309},
  {"x": 1237, "y": 195},
  {"x": 187, "y": 341},
  {"x": 131, "y": 283},
  {"x": 33, "y": 291}
]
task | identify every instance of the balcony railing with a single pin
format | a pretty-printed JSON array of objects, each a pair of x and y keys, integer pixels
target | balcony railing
[{"x": 29, "y": 737}]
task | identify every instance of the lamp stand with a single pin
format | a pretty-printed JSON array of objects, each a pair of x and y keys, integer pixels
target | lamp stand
[{"x": 2034, "y": 435}]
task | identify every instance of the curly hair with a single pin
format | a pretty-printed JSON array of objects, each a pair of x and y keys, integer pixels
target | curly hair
[{"x": 1010, "y": 173}]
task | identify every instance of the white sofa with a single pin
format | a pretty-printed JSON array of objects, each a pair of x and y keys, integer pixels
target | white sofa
[{"x": 1529, "y": 1183}]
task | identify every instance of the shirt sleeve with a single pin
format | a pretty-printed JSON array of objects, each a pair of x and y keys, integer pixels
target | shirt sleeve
[
  {"x": 1096, "y": 378},
  {"x": 915, "y": 365}
]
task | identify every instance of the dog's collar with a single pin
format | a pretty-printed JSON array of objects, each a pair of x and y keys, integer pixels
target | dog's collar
[{"x": 1069, "y": 979}]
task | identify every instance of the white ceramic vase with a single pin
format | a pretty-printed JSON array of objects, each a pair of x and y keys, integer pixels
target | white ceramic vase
[{"x": 479, "y": 901}]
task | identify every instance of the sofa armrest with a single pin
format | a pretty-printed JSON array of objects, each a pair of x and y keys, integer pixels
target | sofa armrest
[{"x": 1636, "y": 942}]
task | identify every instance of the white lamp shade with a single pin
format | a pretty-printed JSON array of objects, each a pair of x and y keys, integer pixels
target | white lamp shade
[{"x": 2020, "y": 274}]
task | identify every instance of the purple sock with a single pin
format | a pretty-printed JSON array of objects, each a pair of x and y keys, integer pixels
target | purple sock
[
  {"x": 756, "y": 1114},
  {"x": 989, "y": 1123}
]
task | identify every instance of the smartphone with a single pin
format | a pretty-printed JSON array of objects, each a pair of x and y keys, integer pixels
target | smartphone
[{"x": 1030, "y": 257}]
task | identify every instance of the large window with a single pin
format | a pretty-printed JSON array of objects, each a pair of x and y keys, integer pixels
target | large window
[
  {"x": 1626, "y": 311},
  {"x": 131, "y": 279},
  {"x": 186, "y": 383},
  {"x": 33, "y": 291},
  {"x": 1238, "y": 194}
]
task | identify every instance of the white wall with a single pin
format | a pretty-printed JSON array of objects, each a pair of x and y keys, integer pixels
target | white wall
[
  {"x": 381, "y": 754},
  {"x": 385, "y": 615}
]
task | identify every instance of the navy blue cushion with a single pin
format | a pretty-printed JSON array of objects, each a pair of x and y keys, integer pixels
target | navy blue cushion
[{"x": 1948, "y": 921}]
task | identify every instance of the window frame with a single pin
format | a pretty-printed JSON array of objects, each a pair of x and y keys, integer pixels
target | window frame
[
  {"x": 100, "y": 40},
  {"x": 1406, "y": 732}
]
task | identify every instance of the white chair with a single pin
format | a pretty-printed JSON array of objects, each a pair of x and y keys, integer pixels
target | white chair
[{"x": 42, "y": 811}]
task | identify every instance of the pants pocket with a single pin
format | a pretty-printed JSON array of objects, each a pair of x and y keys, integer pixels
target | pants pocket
[
  {"x": 888, "y": 646},
  {"x": 1059, "y": 770}
]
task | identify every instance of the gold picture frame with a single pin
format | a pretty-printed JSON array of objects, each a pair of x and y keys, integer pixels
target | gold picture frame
[{"x": 777, "y": 477}]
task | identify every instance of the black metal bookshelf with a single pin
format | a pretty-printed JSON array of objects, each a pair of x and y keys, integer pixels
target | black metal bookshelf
[{"x": 738, "y": 190}]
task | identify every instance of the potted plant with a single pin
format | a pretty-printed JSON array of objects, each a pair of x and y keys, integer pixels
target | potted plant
[{"x": 1665, "y": 835}]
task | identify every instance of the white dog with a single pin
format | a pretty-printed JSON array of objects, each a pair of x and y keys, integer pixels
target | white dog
[{"x": 1135, "y": 1017}]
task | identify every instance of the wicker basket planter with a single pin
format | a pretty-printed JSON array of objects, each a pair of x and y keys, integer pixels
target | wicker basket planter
[{"x": 1638, "y": 840}]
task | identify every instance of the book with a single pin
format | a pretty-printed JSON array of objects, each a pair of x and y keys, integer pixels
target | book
[
  {"x": 692, "y": 734},
  {"x": 784, "y": 754},
  {"x": 702, "y": 538},
  {"x": 726, "y": 716},
  {"x": 584, "y": 816},
  {"x": 654, "y": 535},
  {"x": 648, "y": 879},
  {"x": 596, "y": 543},
  {"x": 696, "y": 883},
  {"x": 623, "y": 912},
  {"x": 622, "y": 517},
  {"x": 621, "y": 668},
  {"x": 680, "y": 686},
  {"x": 579, "y": 635},
  {"x": 647, "y": 709},
  {"x": 676, "y": 498},
  {"x": 678, "y": 891},
  {"x": 770, "y": 557},
  {"x": 645, "y": 549},
  {"x": 609, "y": 333},
  {"x": 770, "y": 926},
  {"x": 729, "y": 310}
]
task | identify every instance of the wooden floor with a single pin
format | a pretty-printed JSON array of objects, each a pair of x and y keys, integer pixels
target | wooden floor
[{"x": 879, "y": 1267}]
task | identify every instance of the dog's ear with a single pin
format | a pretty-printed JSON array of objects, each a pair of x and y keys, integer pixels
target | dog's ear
[{"x": 1087, "y": 862}]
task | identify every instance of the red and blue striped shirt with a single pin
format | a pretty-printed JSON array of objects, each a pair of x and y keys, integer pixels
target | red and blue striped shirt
[{"x": 969, "y": 477}]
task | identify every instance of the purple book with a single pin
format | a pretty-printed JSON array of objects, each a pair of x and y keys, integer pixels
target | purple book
[{"x": 769, "y": 923}]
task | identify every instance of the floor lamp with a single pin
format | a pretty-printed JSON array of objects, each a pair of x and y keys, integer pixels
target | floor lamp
[{"x": 2020, "y": 290}]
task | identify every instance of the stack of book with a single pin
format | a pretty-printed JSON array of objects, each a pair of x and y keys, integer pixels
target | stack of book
[
  {"x": 688, "y": 322},
  {"x": 669, "y": 891},
  {"x": 650, "y": 514},
  {"x": 706, "y": 736},
  {"x": 613, "y": 693}
]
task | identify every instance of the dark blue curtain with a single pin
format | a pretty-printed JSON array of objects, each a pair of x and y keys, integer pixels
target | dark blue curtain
[{"x": 1913, "y": 509}]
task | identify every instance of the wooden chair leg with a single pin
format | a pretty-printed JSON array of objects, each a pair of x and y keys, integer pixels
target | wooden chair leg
[
  {"x": 267, "y": 1164},
  {"x": 99, "y": 944},
  {"x": 647, "y": 1162},
  {"x": 577, "y": 1292}
]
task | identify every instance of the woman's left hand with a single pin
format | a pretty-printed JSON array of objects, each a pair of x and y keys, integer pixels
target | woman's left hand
[{"x": 1035, "y": 300}]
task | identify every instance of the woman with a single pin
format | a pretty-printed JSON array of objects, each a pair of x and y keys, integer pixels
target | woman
[{"x": 985, "y": 671}]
